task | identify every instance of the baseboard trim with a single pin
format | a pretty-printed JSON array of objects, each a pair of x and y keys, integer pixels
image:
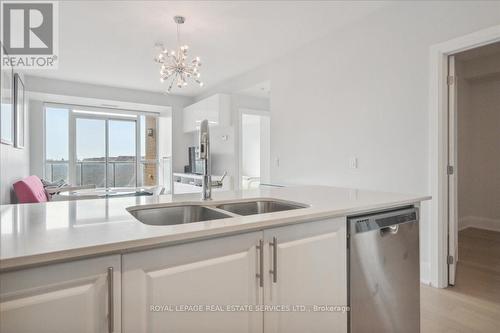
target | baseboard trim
[{"x": 479, "y": 222}]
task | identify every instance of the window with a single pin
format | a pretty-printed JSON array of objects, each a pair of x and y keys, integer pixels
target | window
[
  {"x": 56, "y": 144},
  {"x": 122, "y": 153},
  {"x": 92, "y": 146}
]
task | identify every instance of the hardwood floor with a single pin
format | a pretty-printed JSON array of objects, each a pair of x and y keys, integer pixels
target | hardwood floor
[{"x": 473, "y": 304}]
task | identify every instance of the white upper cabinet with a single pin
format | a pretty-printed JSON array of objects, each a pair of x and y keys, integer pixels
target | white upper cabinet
[
  {"x": 306, "y": 265},
  {"x": 69, "y": 297},
  {"x": 216, "y": 109},
  {"x": 163, "y": 287}
]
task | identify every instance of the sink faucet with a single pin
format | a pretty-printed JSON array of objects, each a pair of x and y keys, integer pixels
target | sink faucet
[{"x": 205, "y": 156}]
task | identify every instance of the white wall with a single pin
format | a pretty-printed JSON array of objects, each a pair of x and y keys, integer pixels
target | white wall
[
  {"x": 164, "y": 136},
  {"x": 14, "y": 164},
  {"x": 82, "y": 93},
  {"x": 364, "y": 93},
  {"x": 479, "y": 144}
]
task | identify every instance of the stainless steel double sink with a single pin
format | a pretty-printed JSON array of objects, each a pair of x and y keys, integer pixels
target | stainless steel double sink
[{"x": 189, "y": 213}]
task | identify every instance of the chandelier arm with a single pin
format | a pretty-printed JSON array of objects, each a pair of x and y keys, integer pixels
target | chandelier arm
[{"x": 171, "y": 84}]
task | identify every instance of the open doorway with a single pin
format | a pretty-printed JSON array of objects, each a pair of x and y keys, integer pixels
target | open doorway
[
  {"x": 255, "y": 148},
  {"x": 472, "y": 265},
  {"x": 254, "y": 142},
  {"x": 474, "y": 184}
]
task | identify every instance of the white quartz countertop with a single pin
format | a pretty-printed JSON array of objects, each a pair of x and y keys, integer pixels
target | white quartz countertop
[{"x": 34, "y": 234}]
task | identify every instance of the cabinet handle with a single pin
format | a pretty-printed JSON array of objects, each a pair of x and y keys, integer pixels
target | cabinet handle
[
  {"x": 274, "y": 271},
  {"x": 111, "y": 305},
  {"x": 260, "y": 274}
]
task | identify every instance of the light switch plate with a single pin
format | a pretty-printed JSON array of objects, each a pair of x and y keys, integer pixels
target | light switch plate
[{"x": 353, "y": 162}]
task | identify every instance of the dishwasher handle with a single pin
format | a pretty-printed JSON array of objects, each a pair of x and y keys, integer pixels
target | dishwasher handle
[{"x": 392, "y": 230}]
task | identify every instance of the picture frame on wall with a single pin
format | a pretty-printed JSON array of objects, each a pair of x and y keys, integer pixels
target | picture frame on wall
[
  {"x": 7, "y": 112},
  {"x": 19, "y": 111}
]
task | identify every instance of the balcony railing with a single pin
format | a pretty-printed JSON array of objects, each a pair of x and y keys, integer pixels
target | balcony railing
[{"x": 119, "y": 173}]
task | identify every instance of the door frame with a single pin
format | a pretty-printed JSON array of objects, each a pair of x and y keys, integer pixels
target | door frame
[
  {"x": 438, "y": 214},
  {"x": 452, "y": 171}
]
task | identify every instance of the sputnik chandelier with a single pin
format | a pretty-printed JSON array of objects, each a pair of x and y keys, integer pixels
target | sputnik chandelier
[{"x": 175, "y": 68}]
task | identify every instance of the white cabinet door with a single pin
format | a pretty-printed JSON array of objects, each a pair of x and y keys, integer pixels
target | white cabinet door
[
  {"x": 216, "y": 109},
  {"x": 61, "y": 298},
  {"x": 189, "y": 115},
  {"x": 310, "y": 265},
  {"x": 168, "y": 290}
]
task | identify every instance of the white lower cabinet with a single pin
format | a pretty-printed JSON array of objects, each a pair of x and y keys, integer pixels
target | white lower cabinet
[
  {"x": 68, "y": 297},
  {"x": 168, "y": 289},
  {"x": 307, "y": 276},
  {"x": 295, "y": 273}
]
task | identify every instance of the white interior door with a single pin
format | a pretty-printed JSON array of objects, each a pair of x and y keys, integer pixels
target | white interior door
[{"x": 452, "y": 172}]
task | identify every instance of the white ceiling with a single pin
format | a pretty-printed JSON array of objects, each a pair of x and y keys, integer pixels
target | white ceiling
[{"x": 112, "y": 42}]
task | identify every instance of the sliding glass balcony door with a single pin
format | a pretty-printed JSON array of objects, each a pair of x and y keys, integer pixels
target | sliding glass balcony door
[
  {"x": 103, "y": 147},
  {"x": 122, "y": 153},
  {"x": 90, "y": 164},
  {"x": 105, "y": 151}
]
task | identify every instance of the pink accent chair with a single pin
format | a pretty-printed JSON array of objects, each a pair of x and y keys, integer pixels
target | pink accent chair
[{"x": 31, "y": 190}]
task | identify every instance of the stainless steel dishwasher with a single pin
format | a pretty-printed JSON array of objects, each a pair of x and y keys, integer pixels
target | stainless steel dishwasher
[{"x": 384, "y": 272}]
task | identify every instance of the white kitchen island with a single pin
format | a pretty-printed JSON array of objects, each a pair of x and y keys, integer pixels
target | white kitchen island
[{"x": 90, "y": 266}]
